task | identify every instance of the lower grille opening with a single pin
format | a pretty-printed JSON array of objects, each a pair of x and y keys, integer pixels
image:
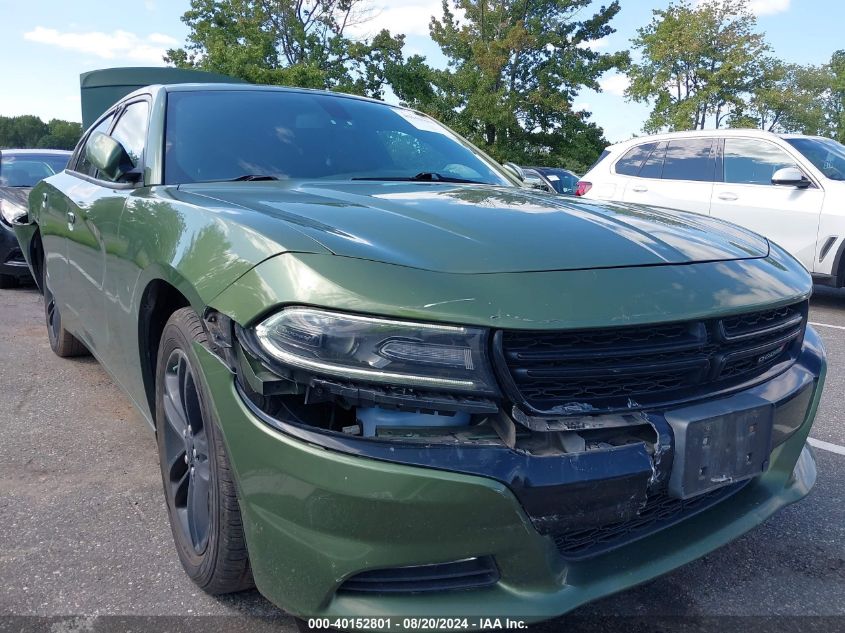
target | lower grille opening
[
  {"x": 15, "y": 256},
  {"x": 660, "y": 512},
  {"x": 470, "y": 573}
]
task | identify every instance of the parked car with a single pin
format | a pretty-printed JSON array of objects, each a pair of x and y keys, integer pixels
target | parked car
[
  {"x": 787, "y": 187},
  {"x": 386, "y": 379},
  {"x": 552, "y": 179},
  {"x": 20, "y": 169}
]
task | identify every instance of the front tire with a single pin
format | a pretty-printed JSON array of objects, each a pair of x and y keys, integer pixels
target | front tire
[{"x": 198, "y": 483}]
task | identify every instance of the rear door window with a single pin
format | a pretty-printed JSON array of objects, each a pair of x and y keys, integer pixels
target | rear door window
[
  {"x": 690, "y": 159},
  {"x": 653, "y": 166},
  {"x": 632, "y": 161}
]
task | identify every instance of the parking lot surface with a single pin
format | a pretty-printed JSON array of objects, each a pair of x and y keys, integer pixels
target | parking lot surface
[{"x": 85, "y": 532}]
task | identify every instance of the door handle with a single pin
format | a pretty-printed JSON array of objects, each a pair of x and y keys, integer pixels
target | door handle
[
  {"x": 71, "y": 219},
  {"x": 44, "y": 199},
  {"x": 728, "y": 196},
  {"x": 639, "y": 188}
]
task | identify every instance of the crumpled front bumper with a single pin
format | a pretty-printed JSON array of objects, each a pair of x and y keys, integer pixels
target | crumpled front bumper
[{"x": 314, "y": 517}]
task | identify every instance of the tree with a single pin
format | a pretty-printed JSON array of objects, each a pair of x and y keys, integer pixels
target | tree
[
  {"x": 787, "y": 98},
  {"x": 29, "y": 131},
  {"x": 514, "y": 68},
  {"x": 836, "y": 101},
  {"x": 698, "y": 62},
  {"x": 288, "y": 42}
]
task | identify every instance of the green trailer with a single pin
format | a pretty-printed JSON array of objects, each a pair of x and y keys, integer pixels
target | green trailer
[{"x": 100, "y": 89}]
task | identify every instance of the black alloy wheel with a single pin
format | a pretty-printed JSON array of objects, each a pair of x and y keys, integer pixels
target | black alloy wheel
[
  {"x": 199, "y": 485},
  {"x": 186, "y": 451}
]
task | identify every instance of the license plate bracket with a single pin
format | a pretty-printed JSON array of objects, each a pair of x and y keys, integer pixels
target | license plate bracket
[{"x": 719, "y": 443}]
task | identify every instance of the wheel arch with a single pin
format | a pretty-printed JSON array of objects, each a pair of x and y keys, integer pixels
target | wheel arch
[
  {"x": 159, "y": 300},
  {"x": 36, "y": 258},
  {"x": 838, "y": 267}
]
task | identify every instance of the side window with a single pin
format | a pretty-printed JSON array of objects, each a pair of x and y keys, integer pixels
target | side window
[
  {"x": 131, "y": 130},
  {"x": 749, "y": 161},
  {"x": 690, "y": 159},
  {"x": 630, "y": 163},
  {"x": 82, "y": 165},
  {"x": 653, "y": 166}
]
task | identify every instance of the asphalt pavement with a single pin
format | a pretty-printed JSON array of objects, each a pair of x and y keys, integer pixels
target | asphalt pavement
[{"x": 84, "y": 532}]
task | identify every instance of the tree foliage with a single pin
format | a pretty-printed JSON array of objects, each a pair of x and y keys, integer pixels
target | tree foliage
[
  {"x": 786, "y": 98},
  {"x": 514, "y": 69},
  {"x": 698, "y": 62},
  {"x": 29, "y": 131},
  {"x": 288, "y": 42},
  {"x": 836, "y": 96}
]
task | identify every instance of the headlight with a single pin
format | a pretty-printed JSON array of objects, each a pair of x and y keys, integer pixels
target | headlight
[
  {"x": 370, "y": 349},
  {"x": 12, "y": 213}
]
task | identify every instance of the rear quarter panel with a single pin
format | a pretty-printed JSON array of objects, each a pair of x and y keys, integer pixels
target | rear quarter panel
[{"x": 607, "y": 184}]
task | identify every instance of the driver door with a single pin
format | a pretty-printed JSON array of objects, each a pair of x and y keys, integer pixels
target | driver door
[{"x": 92, "y": 238}]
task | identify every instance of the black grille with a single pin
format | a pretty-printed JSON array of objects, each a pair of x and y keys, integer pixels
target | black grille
[
  {"x": 634, "y": 367},
  {"x": 660, "y": 511},
  {"x": 472, "y": 573}
]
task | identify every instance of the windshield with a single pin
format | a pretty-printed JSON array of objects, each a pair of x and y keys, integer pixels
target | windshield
[
  {"x": 563, "y": 181},
  {"x": 25, "y": 170},
  {"x": 249, "y": 134},
  {"x": 827, "y": 155}
]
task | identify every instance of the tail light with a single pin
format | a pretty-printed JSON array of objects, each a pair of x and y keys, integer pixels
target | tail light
[{"x": 583, "y": 187}]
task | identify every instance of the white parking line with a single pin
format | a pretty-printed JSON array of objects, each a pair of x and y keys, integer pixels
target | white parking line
[
  {"x": 821, "y": 444},
  {"x": 826, "y": 446},
  {"x": 835, "y": 327}
]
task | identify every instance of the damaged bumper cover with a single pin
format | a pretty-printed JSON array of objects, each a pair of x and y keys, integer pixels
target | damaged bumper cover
[{"x": 544, "y": 519}]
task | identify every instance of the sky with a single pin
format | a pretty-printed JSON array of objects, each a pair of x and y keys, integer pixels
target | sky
[{"x": 46, "y": 44}]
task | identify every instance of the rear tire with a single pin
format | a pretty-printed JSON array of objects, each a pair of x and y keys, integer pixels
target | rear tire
[
  {"x": 62, "y": 342},
  {"x": 7, "y": 281},
  {"x": 202, "y": 500}
]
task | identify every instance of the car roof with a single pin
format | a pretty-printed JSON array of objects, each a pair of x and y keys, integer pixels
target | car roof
[
  {"x": 812, "y": 136},
  {"x": 705, "y": 133},
  {"x": 24, "y": 152},
  {"x": 543, "y": 169},
  {"x": 224, "y": 87}
]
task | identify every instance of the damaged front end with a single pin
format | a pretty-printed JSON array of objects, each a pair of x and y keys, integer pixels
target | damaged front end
[{"x": 604, "y": 436}]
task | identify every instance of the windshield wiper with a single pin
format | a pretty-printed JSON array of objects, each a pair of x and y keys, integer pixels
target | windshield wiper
[
  {"x": 252, "y": 177},
  {"x": 425, "y": 176}
]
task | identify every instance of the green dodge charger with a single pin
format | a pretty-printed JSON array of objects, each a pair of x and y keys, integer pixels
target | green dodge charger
[{"x": 386, "y": 379}]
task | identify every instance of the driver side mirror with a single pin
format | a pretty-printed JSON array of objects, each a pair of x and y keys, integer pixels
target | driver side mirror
[
  {"x": 790, "y": 177},
  {"x": 515, "y": 170},
  {"x": 108, "y": 156}
]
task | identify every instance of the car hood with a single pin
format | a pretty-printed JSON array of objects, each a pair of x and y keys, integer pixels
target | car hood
[
  {"x": 16, "y": 195},
  {"x": 477, "y": 229}
]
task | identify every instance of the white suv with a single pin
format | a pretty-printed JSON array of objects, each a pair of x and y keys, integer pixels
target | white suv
[{"x": 788, "y": 188}]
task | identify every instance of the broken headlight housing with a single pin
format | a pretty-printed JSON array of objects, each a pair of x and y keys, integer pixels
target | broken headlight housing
[{"x": 378, "y": 350}]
